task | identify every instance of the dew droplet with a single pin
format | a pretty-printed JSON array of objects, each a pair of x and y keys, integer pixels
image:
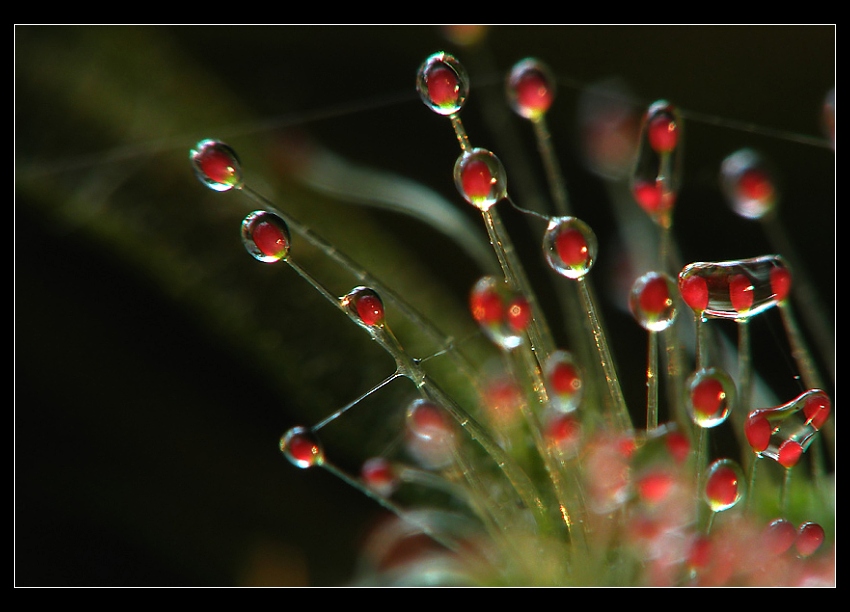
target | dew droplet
[
  {"x": 563, "y": 434},
  {"x": 563, "y": 381},
  {"x": 379, "y": 476},
  {"x": 737, "y": 289},
  {"x": 216, "y": 165},
  {"x": 442, "y": 83},
  {"x": 431, "y": 439},
  {"x": 502, "y": 314},
  {"x": 662, "y": 126},
  {"x": 783, "y": 433},
  {"x": 709, "y": 397},
  {"x": 480, "y": 178},
  {"x": 779, "y": 536},
  {"x": 569, "y": 246},
  {"x": 266, "y": 236},
  {"x": 651, "y": 301},
  {"x": 365, "y": 304},
  {"x": 724, "y": 485},
  {"x": 530, "y": 88},
  {"x": 301, "y": 446},
  {"x": 810, "y": 536},
  {"x": 748, "y": 184}
]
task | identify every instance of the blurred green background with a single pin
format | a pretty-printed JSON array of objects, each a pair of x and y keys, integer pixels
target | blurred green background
[{"x": 156, "y": 364}]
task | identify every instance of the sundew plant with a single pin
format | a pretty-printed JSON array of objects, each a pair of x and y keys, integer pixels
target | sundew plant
[{"x": 502, "y": 306}]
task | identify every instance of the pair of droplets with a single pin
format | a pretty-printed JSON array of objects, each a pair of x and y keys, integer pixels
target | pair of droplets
[{"x": 505, "y": 308}]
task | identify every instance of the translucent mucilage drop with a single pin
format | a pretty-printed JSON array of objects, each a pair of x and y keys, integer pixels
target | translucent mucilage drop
[
  {"x": 563, "y": 381},
  {"x": 724, "y": 485},
  {"x": 379, "y": 476},
  {"x": 442, "y": 83},
  {"x": 366, "y": 305},
  {"x": 570, "y": 247},
  {"x": 480, "y": 178},
  {"x": 710, "y": 396},
  {"x": 810, "y": 536},
  {"x": 748, "y": 184},
  {"x": 266, "y": 236},
  {"x": 431, "y": 434},
  {"x": 301, "y": 446},
  {"x": 216, "y": 165},
  {"x": 651, "y": 301},
  {"x": 530, "y": 88},
  {"x": 502, "y": 314},
  {"x": 783, "y": 433},
  {"x": 655, "y": 177},
  {"x": 736, "y": 290}
]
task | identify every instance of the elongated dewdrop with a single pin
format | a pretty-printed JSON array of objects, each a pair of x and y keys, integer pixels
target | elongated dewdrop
[
  {"x": 570, "y": 249},
  {"x": 783, "y": 433},
  {"x": 656, "y": 175},
  {"x": 651, "y": 303}
]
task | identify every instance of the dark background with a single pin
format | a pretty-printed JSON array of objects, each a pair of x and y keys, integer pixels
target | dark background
[{"x": 156, "y": 364}]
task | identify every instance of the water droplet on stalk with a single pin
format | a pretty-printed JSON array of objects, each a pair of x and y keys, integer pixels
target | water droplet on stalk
[
  {"x": 710, "y": 397},
  {"x": 530, "y": 88},
  {"x": 301, "y": 446},
  {"x": 442, "y": 83},
  {"x": 216, "y": 165},
  {"x": 723, "y": 485},
  {"x": 480, "y": 178},
  {"x": 266, "y": 236},
  {"x": 569, "y": 246}
]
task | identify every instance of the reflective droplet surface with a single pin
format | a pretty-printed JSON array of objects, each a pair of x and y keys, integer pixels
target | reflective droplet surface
[
  {"x": 709, "y": 397},
  {"x": 216, "y": 165},
  {"x": 736, "y": 290},
  {"x": 783, "y": 433},
  {"x": 301, "y": 446},
  {"x": 810, "y": 536},
  {"x": 779, "y": 536},
  {"x": 266, "y": 236},
  {"x": 570, "y": 247},
  {"x": 662, "y": 126},
  {"x": 724, "y": 485},
  {"x": 651, "y": 301},
  {"x": 502, "y": 314},
  {"x": 365, "y": 304},
  {"x": 379, "y": 476},
  {"x": 530, "y": 88},
  {"x": 748, "y": 184},
  {"x": 480, "y": 178},
  {"x": 442, "y": 83},
  {"x": 563, "y": 381},
  {"x": 431, "y": 434}
]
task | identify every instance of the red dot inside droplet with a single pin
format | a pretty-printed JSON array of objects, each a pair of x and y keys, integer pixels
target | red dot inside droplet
[
  {"x": 655, "y": 296},
  {"x": 649, "y": 195},
  {"x": 477, "y": 179},
  {"x": 663, "y": 133},
  {"x": 442, "y": 83},
  {"x": 779, "y": 536},
  {"x": 708, "y": 397},
  {"x": 565, "y": 379},
  {"x": 370, "y": 309},
  {"x": 741, "y": 292},
  {"x": 486, "y": 307},
  {"x": 694, "y": 292},
  {"x": 754, "y": 184},
  {"x": 817, "y": 409},
  {"x": 722, "y": 486},
  {"x": 780, "y": 283},
  {"x": 654, "y": 486},
  {"x": 809, "y": 538},
  {"x": 758, "y": 431},
  {"x": 789, "y": 453},
  {"x": 533, "y": 93},
  {"x": 572, "y": 247},
  {"x": 270, "y": 239},
  {"x": 518, "y": 314},
  {"x": 303, "y": 449}
]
